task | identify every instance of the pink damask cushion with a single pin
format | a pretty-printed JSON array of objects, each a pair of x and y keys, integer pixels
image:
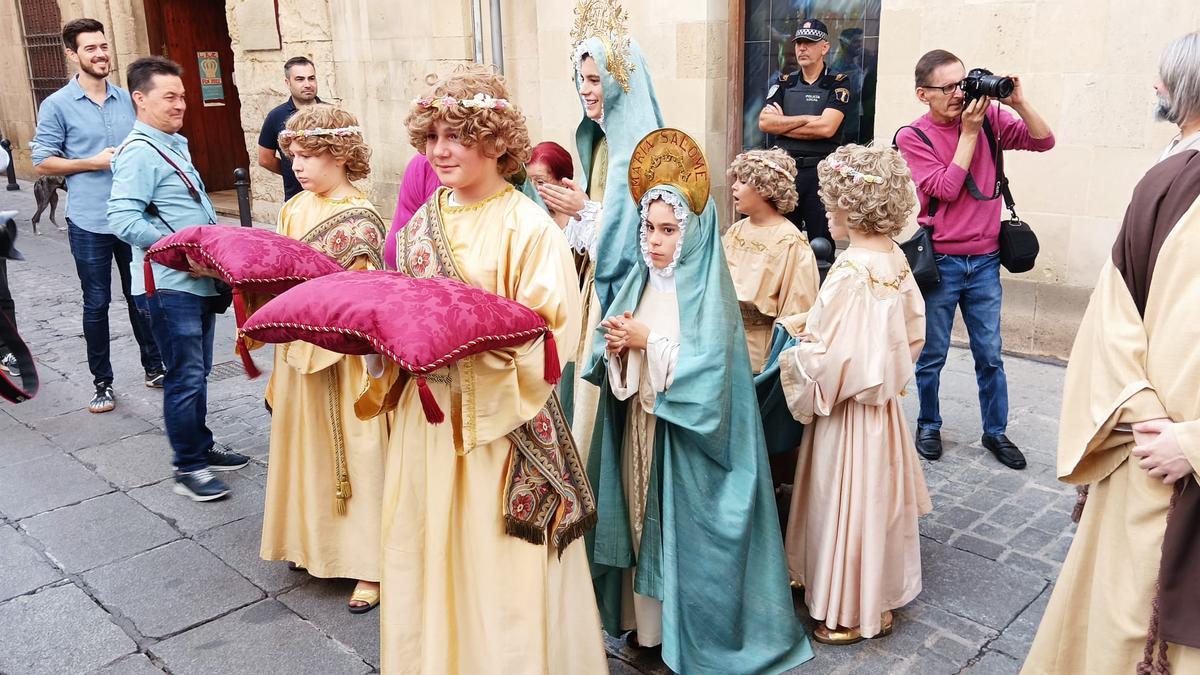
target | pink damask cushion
[
  {"x": 244, "y": 257},
  {"x": 421, "y": 324}
]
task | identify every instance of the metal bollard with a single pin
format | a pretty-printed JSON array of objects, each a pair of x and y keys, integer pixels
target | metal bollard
[
  {"x": 12, "y": 170},
  {"x": 241, "y": 181}
]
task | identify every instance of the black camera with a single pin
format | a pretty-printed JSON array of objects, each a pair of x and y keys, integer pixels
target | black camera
[{"x": 981, "y": 82}]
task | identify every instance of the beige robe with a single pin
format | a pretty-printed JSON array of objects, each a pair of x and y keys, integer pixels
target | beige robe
[
  {"x": 312, "y": 394},
  {"x": 645, "y": 374},
  {"x": 852, "y": 538},
  {"x": 459, "y": 596},
  {"x": 775, "y": 274},
  {"x": 1123, "y": 369}
]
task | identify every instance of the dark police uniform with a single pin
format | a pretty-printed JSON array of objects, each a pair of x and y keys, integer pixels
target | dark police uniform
[
  {"x": 797, "y": 97},
  {"x": 268, "y": 138}
]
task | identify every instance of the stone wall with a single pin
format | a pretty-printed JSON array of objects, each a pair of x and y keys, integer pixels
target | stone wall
[
  {"x": 1088, "y": 67},
  {"x": 17, "y": 116},
  {"x": 374, "y": 57}
]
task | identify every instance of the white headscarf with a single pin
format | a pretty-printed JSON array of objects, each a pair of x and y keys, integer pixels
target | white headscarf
[{"x": 663, "y": 279}]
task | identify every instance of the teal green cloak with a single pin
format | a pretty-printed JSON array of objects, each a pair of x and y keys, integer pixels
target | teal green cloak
[
  {"x": 628, "y": 117},
  {"x": 782, "y": 431},
  {"x": 711, "y": 549}
]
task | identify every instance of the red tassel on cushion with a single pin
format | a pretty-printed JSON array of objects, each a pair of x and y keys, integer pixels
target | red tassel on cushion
[
  {"x": 433, "y": 412},
  {"x": 239, "y": 314},
  {"x": 148, "y": 277},
  {"x": 552, "y": 368}
]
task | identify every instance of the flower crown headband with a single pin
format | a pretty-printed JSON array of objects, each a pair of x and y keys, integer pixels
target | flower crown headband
[
  {"x": 850, "y": 172},
  {"x": 770, "y": 164},
  {"x": 479, "y": 101},
  {"x": 340, "y": 131}
]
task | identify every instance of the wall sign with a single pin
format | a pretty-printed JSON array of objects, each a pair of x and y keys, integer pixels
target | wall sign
[{"x": 212, "y": 85}]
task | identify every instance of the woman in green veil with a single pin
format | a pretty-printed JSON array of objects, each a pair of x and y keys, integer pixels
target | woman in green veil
[
  {"x": 619, "y": 108},
  {"x": 688, "y": 551}
]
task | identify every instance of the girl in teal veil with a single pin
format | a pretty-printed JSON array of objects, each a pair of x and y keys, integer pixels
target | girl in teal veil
[{"x": 688, "y": 550}]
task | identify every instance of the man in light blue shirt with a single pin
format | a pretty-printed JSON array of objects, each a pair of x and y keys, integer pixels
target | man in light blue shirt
[
  {"x": 78, "y": 128},
  {"x": 156, "y": 191}
]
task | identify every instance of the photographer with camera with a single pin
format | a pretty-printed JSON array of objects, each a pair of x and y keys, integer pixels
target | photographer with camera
[{"x": 952, "y": 151}]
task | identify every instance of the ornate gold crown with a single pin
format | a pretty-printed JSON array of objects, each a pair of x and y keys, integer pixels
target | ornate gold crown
[
  {"x": 605, "y": 20},
  {"x": 670, "y": 157}
]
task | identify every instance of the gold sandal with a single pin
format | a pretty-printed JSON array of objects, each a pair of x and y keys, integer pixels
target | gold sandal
[
  {"x": 839, "y": 637},
  {"x": 887, "y": 621},
  {"x": 367, "y": 595}
]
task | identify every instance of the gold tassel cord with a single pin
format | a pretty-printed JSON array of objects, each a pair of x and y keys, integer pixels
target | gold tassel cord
[{"x": 341, "y": 473}]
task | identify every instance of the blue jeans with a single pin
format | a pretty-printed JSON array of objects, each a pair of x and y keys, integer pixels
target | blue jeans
[
  {"x": 972, "y": 283},
  {"x": 94, "y": 255},
  {"x": 184, "y": 331}
]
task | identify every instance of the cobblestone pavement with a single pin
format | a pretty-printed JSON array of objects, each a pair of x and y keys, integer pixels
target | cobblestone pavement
[{"x": 104, "y": 569}]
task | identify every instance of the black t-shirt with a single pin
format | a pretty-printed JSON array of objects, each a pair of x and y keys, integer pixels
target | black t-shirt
[
  {"x": 837, "y": 94},
  {"x": 268, "y": 138}
]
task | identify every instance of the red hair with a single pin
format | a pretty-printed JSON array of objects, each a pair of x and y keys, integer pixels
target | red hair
[{"x": 555, "y": 157}]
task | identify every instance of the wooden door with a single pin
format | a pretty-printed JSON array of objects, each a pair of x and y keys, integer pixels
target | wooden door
[{"x": 194, "y": 33}]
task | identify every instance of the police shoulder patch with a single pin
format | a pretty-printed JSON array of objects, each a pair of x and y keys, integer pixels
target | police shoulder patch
[
  {"x": 841, "y": 95},
  {"x": 771, "y": 92}
]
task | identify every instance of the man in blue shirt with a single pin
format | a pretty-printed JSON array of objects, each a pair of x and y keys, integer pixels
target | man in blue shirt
[
  {"x": 300, "y": 75},
  {"x": 156, "y": 191},
  {"x": 78, "y": 128}
]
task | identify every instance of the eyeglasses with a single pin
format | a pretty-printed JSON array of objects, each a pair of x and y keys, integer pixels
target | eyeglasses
[{"x": 948, "y": 89}]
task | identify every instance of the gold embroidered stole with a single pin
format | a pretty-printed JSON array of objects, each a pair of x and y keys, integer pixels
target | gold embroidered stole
[
  {"x": 546, "y": 489},
  {"x": 345, "y": 236}
]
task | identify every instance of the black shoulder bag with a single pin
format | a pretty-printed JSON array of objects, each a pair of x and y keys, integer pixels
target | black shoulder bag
[
  {"x": 216, "y": 304},
  {"x": 919, "y": 248}
]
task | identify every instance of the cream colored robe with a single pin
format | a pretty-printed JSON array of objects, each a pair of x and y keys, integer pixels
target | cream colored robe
[
  {"x": 1123, "y": 369},
  {"x": 310, "y": 388},
  {"x": 459, "y": 596},
  {"x": 644, "y": 374},
  {"x": 852, "y": 538},
  {"x": 775, "y": 274}
]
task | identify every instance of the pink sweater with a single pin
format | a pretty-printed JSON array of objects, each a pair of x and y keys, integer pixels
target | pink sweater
[{"x": 962, "y": 225}]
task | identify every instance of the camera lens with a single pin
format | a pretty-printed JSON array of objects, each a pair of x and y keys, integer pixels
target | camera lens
[{"x": 981, "y": 82}]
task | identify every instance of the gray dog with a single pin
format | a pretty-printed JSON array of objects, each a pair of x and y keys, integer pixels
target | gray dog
[{"x": 45, "y": 190}]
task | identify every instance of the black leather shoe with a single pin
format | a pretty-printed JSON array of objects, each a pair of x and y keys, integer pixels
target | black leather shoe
[
  {"x": 1005, "y": 451},
  {"x": 929, "y": 444}
]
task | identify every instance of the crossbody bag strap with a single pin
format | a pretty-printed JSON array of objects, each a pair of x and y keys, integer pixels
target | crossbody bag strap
[
  {"x": 933, "y": 201},
  {"x": 1002, "y": 189},
  {"x": 187, "y": 182}
]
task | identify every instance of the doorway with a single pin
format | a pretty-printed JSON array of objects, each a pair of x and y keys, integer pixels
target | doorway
[{"x": 194, "y": 34}]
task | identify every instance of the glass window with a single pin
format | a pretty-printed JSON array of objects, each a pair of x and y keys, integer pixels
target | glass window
[{"x": 768, "y": 54}]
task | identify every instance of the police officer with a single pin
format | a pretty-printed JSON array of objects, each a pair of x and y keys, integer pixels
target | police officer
[{"x": 805, "y": 113}]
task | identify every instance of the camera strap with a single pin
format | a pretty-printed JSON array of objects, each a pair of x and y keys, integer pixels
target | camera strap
[{"x": 1002, "y": 188}]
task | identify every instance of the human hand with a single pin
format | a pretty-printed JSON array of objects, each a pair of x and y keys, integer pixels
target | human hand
[
  {"x": 772, "y": 109},
  {"x": 805, "y": 336},
  {"x": 637, "y": 333},
  {"x": 1017, "y": 98},
  {"x": 197, "y": 271},
  {"x": 102, "y": 160},
  {"x": 974, "y": 114},
  {"x": 567, "y": 198},
  {"x": 1158, "y": 451}
]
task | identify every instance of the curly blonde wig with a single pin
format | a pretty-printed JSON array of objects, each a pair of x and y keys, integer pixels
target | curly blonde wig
[
  {"x": 873, "y": 186},
  {"x": 499, "y": 132},
  {"x": 772, "y": 174},
  {"x": 349, "y": 147}
]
